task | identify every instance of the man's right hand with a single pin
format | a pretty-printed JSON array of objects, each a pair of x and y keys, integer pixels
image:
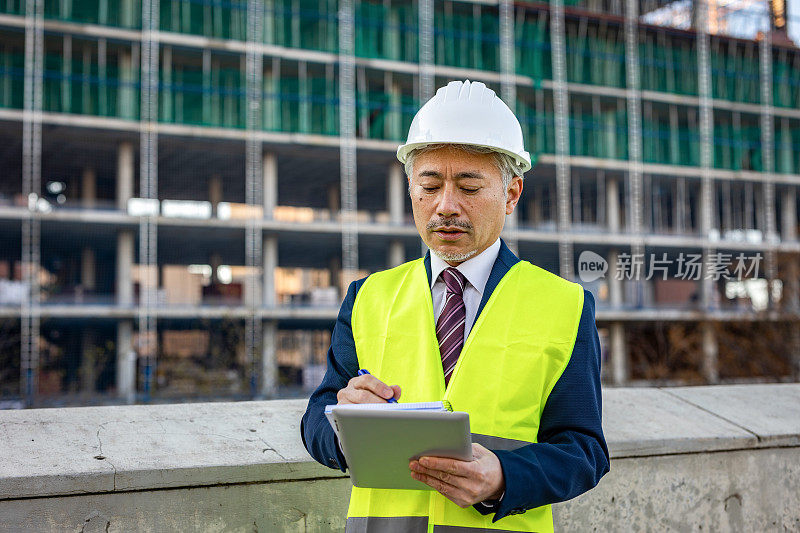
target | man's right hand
[{"x": 367, "y": 389}]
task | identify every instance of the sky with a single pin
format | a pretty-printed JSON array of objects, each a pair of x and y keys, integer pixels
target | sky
[
  {"x": 793, "y": 22},
  {"x": 743, "y": 22}
]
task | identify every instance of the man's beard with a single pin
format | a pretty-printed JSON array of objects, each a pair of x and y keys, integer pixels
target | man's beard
[
  {"x": 445, "y": 256},
  {"x": 454, "y": 257}
]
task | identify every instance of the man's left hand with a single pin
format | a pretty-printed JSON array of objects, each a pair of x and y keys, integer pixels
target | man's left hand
[{"x": 464, "y": 483}]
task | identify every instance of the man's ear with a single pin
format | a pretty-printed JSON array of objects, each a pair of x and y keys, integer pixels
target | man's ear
[{"x": 513, "y": 194}]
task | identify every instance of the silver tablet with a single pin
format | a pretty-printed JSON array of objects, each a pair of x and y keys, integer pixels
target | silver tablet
[{"x": 378, "y": 445}]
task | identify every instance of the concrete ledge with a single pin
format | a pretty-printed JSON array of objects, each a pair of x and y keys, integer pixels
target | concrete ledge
[
  {"x": 110, "y": 449},
  {"x": 64, "y": 463}
]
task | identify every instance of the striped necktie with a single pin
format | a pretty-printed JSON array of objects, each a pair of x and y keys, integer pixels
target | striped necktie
[{"x": 450, "y": 327}]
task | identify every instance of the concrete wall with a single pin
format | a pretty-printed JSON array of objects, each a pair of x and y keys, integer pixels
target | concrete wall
[{"x": 723, "y": 458}]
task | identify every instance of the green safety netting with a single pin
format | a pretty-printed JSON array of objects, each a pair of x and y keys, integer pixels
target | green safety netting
[
  {"x": 222, "y": 20},
  {"x": 467, "y": 36},
  {"x": 122, "y": 13},
  {"x": 787, "y": 147},
  {"x": 12, "y": 78},
  {"x": 387, "y": 31},
  {"x": 538, "y": 126},
  {"x": 595, "y": 55},
  {"x": 82, "y": 86},
  {"x": 735, "y": 73},
  {"x": 664, "y": 144},
  {"x": 381, "y": 115},
  {"x": 668, "y": 65},
  {"x": 737, "y": 148},
  {"x": 13, "y": 7},
  {"x": 532, "y": 46},
  {"x": 604, "y": 136},
  {"x": 302, "y": 105},
  {"x": 786, "y": 81},
  {"x": 214, "y": 98}
]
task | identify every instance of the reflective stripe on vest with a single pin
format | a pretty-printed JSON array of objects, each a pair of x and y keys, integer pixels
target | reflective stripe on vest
[
  {"x": 389, "y": 524},
  {"x": 512, "y": 358},
  {"x": 498, "y": 443},
  {"x": 405, "y": 524}
]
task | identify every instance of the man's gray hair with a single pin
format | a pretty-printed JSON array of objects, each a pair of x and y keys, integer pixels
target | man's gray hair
[{"x": 506, "y": 164}]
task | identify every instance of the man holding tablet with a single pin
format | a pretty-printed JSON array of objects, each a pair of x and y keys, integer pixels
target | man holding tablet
[{"x": 509, "y": 343}]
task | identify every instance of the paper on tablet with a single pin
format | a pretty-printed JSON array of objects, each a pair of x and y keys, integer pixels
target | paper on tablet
[{"x": 418, "y": 406}]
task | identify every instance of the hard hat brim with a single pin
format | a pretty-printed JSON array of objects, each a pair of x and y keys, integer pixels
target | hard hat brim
[{"x": 523, "y": 159}]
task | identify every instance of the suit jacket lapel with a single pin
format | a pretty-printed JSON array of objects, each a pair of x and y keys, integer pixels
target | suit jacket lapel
[{"x": 505, "y": 260}]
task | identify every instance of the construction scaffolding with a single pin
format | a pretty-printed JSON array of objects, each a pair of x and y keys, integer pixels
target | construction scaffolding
[{"x": 185, "y": 165}]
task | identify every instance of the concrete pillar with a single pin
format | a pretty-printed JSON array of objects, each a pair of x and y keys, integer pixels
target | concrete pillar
[
  {"x": 87, "y": 361},
  {"x": 707, "y": 288},
  {"x": 335, "y": 268},
  {"x": 783, "y": 145},
  {"x": 124, "y": 268},
  {"x": 127, "y": 13},
  {"x": 166, "y": 92},
  {"x": 251, "y": 288},
  {"x": 612, "y": 204},
  {"x": 795, "y": 352},
  {"x": 125, "y": 102},
  {"x": 269, "y": 365},
  {"x": 125, "y": 172},
  {"x": 510, "y": 228},
  {"x": 215, "y": 260},
  {"x": 334, "y": 203},
  {"x": 397, "y": 254},
  {"x": 126, "y": 361},
  {"x": 396, "y": 187},
  {"x": 270, "y": 251},
  {"x": 619, "y": 356},
  {"x": 88, "y": 188},
  {"x": 789, "y": 211},
  {"x": 215, "y": 192},
  {"x": 88, "y": 270},
  {"x": 614, "y": 284},
  {"x": 710, "y": 353},
  {"x": 791, "y": 288},
  {"x": 66, "y": 73},
  {"x": 609, "y": 145},
  {"x": 270, "y": 170},
  {"x": 707, "y": 218},
  {"x": 394, "y": 122},
  {"x": 535, "y": 215}
]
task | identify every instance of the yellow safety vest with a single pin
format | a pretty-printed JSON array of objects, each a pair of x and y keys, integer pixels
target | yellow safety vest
[{"x": 512, "y": 358}]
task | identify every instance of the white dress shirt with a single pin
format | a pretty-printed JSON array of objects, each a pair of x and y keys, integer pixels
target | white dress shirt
[{"x": 476, "y": 270}]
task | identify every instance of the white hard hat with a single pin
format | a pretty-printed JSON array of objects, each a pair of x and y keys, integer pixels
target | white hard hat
[{"x": 467, "y": 113}]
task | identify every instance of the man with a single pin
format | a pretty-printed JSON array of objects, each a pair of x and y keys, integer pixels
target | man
[{"x": 508, "y": 342}]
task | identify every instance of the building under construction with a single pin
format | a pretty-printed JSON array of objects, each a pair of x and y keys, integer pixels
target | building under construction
[{"x": 188, "y": 186}]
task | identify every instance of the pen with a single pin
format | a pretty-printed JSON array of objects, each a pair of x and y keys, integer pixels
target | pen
[{"x": 363, "y": 371}]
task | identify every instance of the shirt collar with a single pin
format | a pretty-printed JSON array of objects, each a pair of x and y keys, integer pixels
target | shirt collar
[{"x": 475, "y": 269}]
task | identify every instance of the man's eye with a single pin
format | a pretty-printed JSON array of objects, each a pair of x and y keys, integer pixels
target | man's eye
[
  {"x": 468, "y": 190},
  {"x": 430, "y": 189}
]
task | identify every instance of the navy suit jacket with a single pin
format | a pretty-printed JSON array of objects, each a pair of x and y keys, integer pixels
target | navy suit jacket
[{"x": 570, "y": 455}]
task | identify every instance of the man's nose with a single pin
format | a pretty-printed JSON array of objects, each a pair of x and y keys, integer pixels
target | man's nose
[{"x": 448, "y": 202}]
